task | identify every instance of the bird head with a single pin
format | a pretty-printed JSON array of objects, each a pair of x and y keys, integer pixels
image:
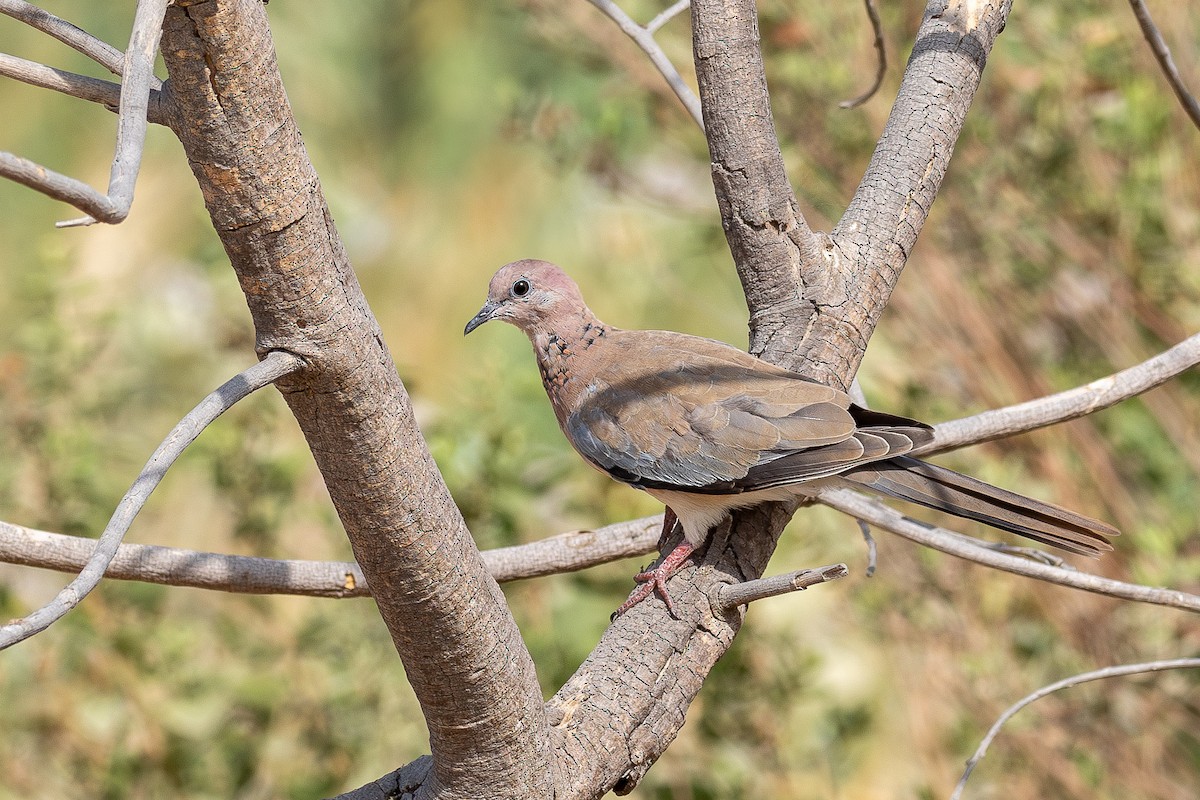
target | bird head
[{"x": 529, "y": 294}]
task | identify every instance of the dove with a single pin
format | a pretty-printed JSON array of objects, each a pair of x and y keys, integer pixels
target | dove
[{"x": 706, "y": 428}]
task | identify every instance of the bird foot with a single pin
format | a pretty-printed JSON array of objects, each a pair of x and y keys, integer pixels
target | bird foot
[{"x": 656, "y": 580}]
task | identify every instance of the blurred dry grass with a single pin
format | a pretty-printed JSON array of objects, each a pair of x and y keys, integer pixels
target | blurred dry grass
[{"x": 451, "y": 138}]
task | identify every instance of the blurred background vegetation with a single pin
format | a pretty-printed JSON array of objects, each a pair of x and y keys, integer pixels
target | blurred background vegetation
[{"x": 453, "y": 136}]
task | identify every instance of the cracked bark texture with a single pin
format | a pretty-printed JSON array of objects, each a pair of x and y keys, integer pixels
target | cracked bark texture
[
  {"x": 814, "y": 300},
  {"x": 465, "y": 660}
]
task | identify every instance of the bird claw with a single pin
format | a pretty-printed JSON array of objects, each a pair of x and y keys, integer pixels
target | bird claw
[{"x": 653, "y": 580}]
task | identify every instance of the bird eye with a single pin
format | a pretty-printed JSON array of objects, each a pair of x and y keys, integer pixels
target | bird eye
[{"x": 520, "y": 288}]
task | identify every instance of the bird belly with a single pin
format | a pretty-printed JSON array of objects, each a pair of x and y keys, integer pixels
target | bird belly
[{"x": 700, "y": 513}]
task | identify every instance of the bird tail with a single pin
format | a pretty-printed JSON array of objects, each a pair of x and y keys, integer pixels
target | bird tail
[{"x": 925, "y": 484}]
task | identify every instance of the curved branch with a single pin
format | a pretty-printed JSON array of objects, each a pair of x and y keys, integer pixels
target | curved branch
[
  {"x": 270, "y": 369},
  {"x": 102, "y": 53},
  {"x": 1066, "y": 683},
  {"x": 1067, "y": 405},
  {"x": 172, "y": 566},
  {"x": 880, "y": 60},
  {"x": 779, "y": 259},
  {"x": 1162, "y": 54},
  {"x": 889, "y": 519},
  {"x": 95, "y": 90},
  {"x": 739, "y": 594},
  {"x": 644, "y": 38},
  {"x": 667, "y": 14},
  {"x": 137, "y": 76},
  {"x": 875, "y": 235},
  {"x": 132, "y": 117},
  {"x": 462, "y": 651}
]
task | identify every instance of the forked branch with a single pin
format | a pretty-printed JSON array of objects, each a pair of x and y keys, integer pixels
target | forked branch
[
  {"x": 881, "y": 516},
  {"x": 643, "y": 36},
  {"x": 102, "y": 53},
  {"x": 1075, "y": 680},
  {"x": 1162, "y": 54},
  {"x": 880, "y": 58},
  {"x": 274, "y": 366},
  {"x": 1067, "y": 405},
  {"x": 171, "y": 566},
  {"x": 137, "y": 78}
]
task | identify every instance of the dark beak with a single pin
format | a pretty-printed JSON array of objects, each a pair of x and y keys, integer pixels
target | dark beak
[{"x": 486, "y": 313}]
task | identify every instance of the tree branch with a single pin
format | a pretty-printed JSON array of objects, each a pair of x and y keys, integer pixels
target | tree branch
[
  {"x": 740, "y": 594},
  {"x": 889, "y": 519},
  {"x": 644, "y": 38},
  {"x": 461, "y": 649},
  {"x": 132, "y": 118},
  {"x": 1066, "y": 683},
  {"x": 96, "y": 90},
  {"x": 667, "y": 14},
  {"x": 778, "y": 257},
  {"x": 102, "y": 53},
  {"x": 1162, "y": 54},
  {"x": 1070, "y": 404},
  {"x": 83, "y": 87},
  {"x": 171, "y": 566},
  {"x": 137, "y": 75},
  {"x": 274, "y": 366},
  {"x": 875, "y": 235},
  {"x": 880, "y": 58}
]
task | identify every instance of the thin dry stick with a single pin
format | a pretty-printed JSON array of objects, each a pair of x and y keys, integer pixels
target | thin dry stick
[
  {"x": 881, "y": 60},
  {"x": 889, "y": 519},
  {"x": 96, "y": 90},
  {"x": 644, "y": 38},
  {"x": 171, "y": 566},
  {"x": 666, "y": 15},
  {"x": 84, "y": 87},
  {"x": 274, "y": 366},
  {"x": 1071, "y": 404},
  {"x": 1163, "y": 54},
  {"x": 733, "y": 595},
  {"x": 102, "y": 53},
  {"x": 1074, "y": 680},
  {"x": 132, "y": 116}
]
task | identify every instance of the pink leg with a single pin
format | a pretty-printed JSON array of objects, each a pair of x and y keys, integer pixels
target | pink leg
[{"x": 656, "y": 579}]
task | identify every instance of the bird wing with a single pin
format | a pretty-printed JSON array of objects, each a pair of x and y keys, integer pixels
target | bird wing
[{"x": 694, "y": 414}]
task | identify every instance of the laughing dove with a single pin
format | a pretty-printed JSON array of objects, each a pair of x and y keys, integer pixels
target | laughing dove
[{"x": 706, "y": 428}]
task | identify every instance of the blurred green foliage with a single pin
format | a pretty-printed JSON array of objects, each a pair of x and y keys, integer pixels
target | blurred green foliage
[{"x": 452, "y": 137}]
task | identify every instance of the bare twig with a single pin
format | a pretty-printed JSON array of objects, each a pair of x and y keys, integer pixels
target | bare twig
[
  {"x": 872, "y": 550},
  {"x": 1074, "y": 680},
  {"x": 889, "y": 519},
  {"x": 274, "y": 366},
  {"x": 1163, "y": 54},
  {"x": 54, "y": 184},
  {"x": 96, "y": 90},
  {"x": 666, "y": 15},
  {"x": 566, "y": 552},
  {"x": 881, "y": 61},
  {"x": 644, "y": 37},
  {"x": 102, "y": 53},
  {"x": 1071, "y": 404},
  {"x": 132, "y": 117},
  {"x": 733, "y": 595},
  {"x": 84, "y": 87}
]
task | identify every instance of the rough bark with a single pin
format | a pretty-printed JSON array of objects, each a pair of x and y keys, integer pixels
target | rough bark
[
  {"x": 460, "y": 647},
  {"x": 814, "y": 300}
]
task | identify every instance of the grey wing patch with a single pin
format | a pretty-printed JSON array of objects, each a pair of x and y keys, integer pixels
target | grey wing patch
[
  {"x": 652, "y": 443},
  {"x": 863, "y": 447}
]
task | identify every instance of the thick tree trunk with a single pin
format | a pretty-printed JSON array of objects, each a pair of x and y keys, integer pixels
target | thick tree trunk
[
  {"x": 460, "y": 646},
  {"x": 814, "y": 301}
]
